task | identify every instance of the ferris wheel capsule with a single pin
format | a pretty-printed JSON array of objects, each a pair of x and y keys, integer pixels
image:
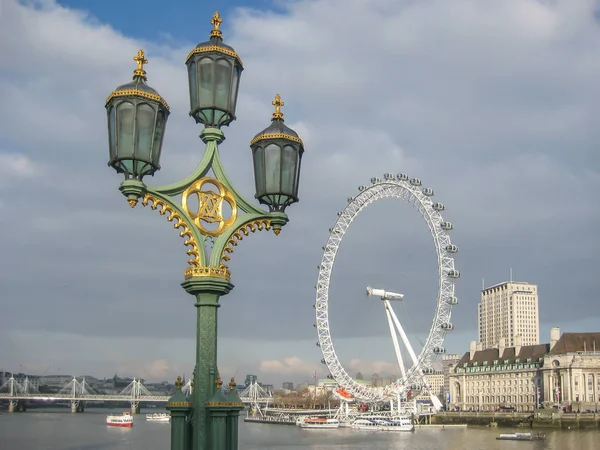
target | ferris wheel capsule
[
  {"x": 402, "y": 177},
  {"x": 451, "y": 248},
  {"x": 415, "y": 182},
  {"x": 453, "y": 273},
  {"x": 428, "y": 192},
  {"x": 447, "y": 326},
  {"x": 438, "y": 206},
  {"x": 452, "y": 300},
  {"x": 428, "y": 371},
  {"x": 447, "y": 226}
]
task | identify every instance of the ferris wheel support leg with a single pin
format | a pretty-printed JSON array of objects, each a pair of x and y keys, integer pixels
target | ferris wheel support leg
[
  {"x": 394, "y": 337},
  {"x": 411, "y": 352}
]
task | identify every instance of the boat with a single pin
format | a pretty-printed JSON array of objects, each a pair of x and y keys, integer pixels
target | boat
[
  {"x": 123, "y": 420},
  {"x": 521, "y": 437},
  {"x": 316, "y": 423},
  {"x": 158, "y": 417},
  {"x": 275, "y": 420},
  {"x": 382, "y": 423}
]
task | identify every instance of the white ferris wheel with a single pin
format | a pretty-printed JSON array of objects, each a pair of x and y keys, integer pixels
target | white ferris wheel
[{"x": 413, "y": 372}]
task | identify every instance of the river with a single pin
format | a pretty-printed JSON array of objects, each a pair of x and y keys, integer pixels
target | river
[{"x": 61, "y": 430}]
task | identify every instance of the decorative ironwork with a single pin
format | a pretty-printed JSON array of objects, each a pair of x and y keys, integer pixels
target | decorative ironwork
[
  {"x": 210, "y": 206},
  {"x": 140, "y": 59},
  {"x": 179, "y": 222},
  {"x": 229, "y": 404},
  {"x": 207, "y": 271},
  {"x": 178, "y": 383},
  {"x": 277, "y": 103},
  {"x": 260, "y": 137},
  {"x": 216, "y": 22},
  {"x": 244, "y": 230}
]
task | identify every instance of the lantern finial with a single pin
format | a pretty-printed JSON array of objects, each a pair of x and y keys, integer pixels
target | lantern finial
[
  {"x": 140, "y": 59},
  {"x": 216, "y": 22},
  {"x": 278, "y": 104}
]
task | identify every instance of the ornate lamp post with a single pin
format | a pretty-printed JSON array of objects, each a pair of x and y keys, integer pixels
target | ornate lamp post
[{"x": 137, "y": 117}]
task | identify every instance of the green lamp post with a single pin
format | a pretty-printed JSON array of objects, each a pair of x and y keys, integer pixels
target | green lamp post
[{"x": 204, "y": 206}]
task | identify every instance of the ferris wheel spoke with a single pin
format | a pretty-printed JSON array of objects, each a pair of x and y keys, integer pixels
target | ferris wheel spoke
[
  {"x": 395, "y": 339},
  {"x": 404, "y": 337}
]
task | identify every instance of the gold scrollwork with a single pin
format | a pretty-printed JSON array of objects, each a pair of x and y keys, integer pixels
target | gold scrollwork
[
  {"x": 238, "y": 235},
  {"x": 207, "y": 271},
  {"x": 179, "y": 222},
  {"x": 179, "y": 404},
  {"x": 236, "y": 404},
  {"x": 210, "y": 206}
]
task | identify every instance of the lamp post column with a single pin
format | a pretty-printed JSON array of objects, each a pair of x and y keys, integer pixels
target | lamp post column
[{"x": 206, "y": 290}]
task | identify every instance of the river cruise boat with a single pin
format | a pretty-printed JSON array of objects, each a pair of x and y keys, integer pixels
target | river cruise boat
[
  {"x": 158, "y": 417},
  {"x": 521, "y": 437},
  {"x": 318, "y": 423},
  {"x": 382, "y": 423},
  {"x": 120, "y": 420}
]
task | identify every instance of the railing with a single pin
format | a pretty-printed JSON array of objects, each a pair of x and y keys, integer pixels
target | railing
[{"x": 91, "y": 398}]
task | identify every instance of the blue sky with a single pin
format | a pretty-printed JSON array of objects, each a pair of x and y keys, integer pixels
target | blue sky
[
  {"x": 494, "y": 105},
  {"x": 174, "y": 21}
]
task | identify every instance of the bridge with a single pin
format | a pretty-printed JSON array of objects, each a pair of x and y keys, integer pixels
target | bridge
[{"x": 79, "y": 392}]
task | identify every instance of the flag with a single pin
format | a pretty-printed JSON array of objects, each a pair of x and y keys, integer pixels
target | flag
[{"x": 315, "y": 374}]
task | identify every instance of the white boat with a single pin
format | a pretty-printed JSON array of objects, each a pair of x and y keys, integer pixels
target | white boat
[
  {"x": 316, "y": 423},
  {"x": 120, "y": 420},
  {"x": 521, "y": 437},
  {"x": 382, "y": 423},
  {"x": 158, "y": 417}
]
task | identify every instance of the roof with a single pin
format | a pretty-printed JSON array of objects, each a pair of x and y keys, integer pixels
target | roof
[
  {"x": 576, "y": 342},
  {"x": 489, "y": 355},
  {"x": 505, "y": 283}
]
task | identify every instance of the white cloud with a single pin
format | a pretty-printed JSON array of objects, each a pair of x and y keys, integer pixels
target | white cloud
[
  {"x": 492, "y": 104},
  {"x": 291, "y": 365},
  {"x": 15, "y": 166}
]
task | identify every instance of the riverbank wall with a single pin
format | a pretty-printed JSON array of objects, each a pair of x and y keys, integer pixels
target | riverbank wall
[{"x": 542, "y": 418}]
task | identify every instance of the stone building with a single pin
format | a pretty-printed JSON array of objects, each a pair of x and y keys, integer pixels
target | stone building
[
  {"x": 564, "y": 373},
  {"x": 436, "y": 386},
  {"x": 571, "y": 371},
  {"x": 497, "y": 378}
]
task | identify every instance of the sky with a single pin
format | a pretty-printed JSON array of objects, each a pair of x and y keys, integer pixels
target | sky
[{"x": 494, "y": 105}]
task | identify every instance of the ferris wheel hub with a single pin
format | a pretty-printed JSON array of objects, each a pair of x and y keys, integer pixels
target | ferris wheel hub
[{"x": 383, "y": 294}]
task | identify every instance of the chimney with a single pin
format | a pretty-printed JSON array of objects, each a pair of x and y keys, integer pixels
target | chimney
[
  {"x": 517, "y": 345},
  {"x": 472, "y": 349},
  {"x": 501, "y": 346},
  {"x": 479, "y": 346},
  {"x": 554, "y": 336}
]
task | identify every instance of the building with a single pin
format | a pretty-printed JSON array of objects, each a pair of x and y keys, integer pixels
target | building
[
  {"x": 436, "y": 386},
  {"x": 564, "y": 373},
  {"x": 288, "y": 385},
  {"x": 508, "y": 310},
  {"x": 571, "y": 371},
  {"x": 250, "y": 379},
  {"x": 448, "y": 363},
  {"x": 498, "y": 378}
]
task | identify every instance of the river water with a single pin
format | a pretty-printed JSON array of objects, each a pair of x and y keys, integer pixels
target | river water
[{"x": 61, "y": 430}]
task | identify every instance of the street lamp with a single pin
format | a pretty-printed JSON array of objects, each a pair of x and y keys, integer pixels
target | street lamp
[{"x": 205, "y": 209}]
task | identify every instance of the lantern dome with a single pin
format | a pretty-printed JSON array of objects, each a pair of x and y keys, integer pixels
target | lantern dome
[
  {"x": 277, "y": 129},
  {"x": 137, "y": 118},
  {"x": 214, "y": 71},
  {"x": 277, "y": 153}
]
